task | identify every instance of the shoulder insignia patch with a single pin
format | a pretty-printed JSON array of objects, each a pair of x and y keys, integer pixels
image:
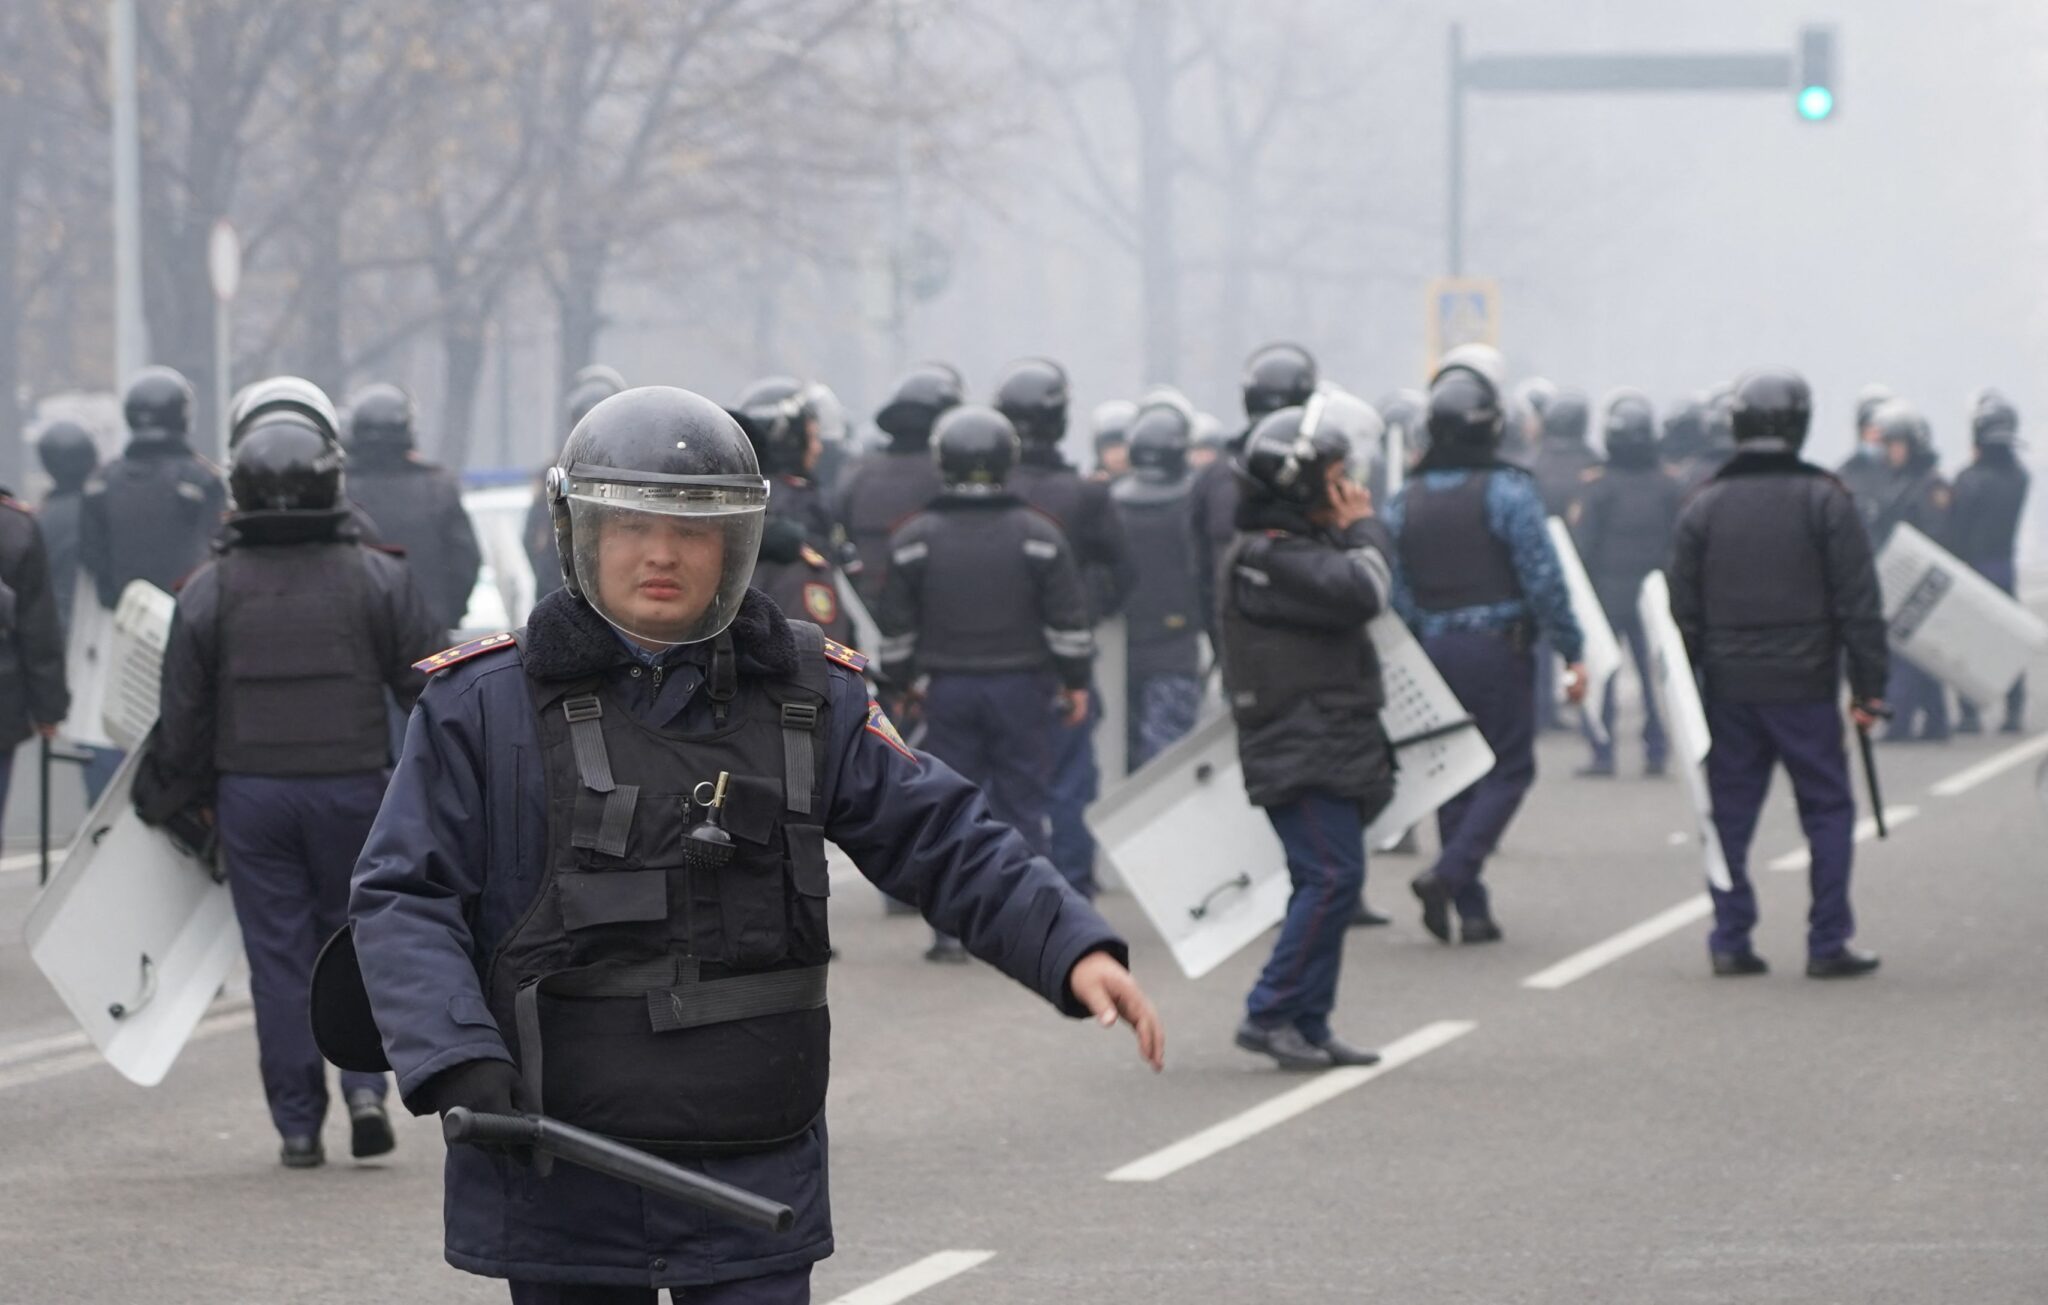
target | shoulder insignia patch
[
  {"x": 462, "y": 652},
  {"x": 884, "y": 729},
  {"x": 811, "y": 555},
  {"x": 821, "y": 602},
  {"x": 856, "y": 662}
]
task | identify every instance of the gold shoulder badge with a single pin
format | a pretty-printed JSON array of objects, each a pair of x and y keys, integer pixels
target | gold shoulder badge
[
  {"x": 461, "y": 652},
  {"x": 847, "y": 657},
  {"x": 811, "y": 555},
  {"x": 821, "y": 602},
  {"x": 884, "y": 729}
]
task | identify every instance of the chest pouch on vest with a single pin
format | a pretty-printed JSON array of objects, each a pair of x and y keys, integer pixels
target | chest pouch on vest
[{"x": 668, "y": 987}]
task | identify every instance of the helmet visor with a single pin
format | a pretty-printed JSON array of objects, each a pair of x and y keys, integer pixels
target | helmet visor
[{"x": 668, "y": 562}]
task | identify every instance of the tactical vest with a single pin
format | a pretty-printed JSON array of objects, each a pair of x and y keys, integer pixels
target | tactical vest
[
  {"x": 884, "y": 490},
  {"x": 1449, "y": 556},
  {"x": 161, "y": 511},
  {"x": 301, "y": 684},
  {"x": 1165, "y": 603},
  {"x": 653, "y": 997}
]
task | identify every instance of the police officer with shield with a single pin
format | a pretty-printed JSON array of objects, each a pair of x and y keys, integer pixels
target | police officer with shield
[
  {"x": 1162, "y": 620},
  {"x": 151, "y": 513},
  {"x": 1913, "y": 494},
  {"x": 1773, "y": 588},
  {"x": 416, "y": 504},
  {"x": 1990, "y": 498},
  {"x": 273, "y": 725},
  {"x": 597, "y": 886}
]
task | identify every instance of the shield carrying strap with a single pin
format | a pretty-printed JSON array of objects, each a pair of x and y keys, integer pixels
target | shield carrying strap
[{"x": 601, "y": 826}]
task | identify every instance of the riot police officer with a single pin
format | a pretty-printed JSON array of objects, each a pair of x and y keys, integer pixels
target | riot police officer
[
  {"x": 1990, "y": 496},
  {"x": 1478, "y": 580},
  {"x": 1563, "y": 459},
  {"x": 1622, "y": 526},
  {"x": 1162, "y": 624},
  {"x": 273, "y": 720},
  {"x": 985, "y": 597},
  {"x": 416, "y": 504},
  {"x": 1033, "y": 396},
  {"x": 714, "y": 745},
  {"x": 885, "y": 488},
  {"x": 591, "y": 386},
  {"x": 1864, "y": 473},
  {"x": 151, "y": 513},
  {"x": 33, "y": 695},
  {"x": 1210, "y": 441},
  {"x": 800, "y": 556},
  {"x": 1308, "y": 569},
  {"x": 1276, "y": 376},
  {"x": 69, "y": 454},
  {"x": 1914, "y": 494},
  {"x": 1684, "y": 437},
  {"x": 1773, "y": 588},
  {"x": 1109, "y": 433}
]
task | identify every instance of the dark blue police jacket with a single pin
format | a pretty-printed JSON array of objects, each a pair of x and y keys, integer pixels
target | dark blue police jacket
[{"x": 457, "y": 856}]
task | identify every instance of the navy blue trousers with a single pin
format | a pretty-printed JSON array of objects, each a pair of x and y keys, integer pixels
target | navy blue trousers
[
  {"x": 791, "y": 1288},
  {"x": 1325, "y": 842},
  {"x": 997, "y": 730},
  {"x": 1630, "y": 632},
  {"x": 1162, "y": 711},
  {"x": 1076, "y": 782},
  {"x": 1497, "y": 686},
  {"x": 290, "y": 843},
  {"x": 2002, "y": 572},
  {"x": 1919, "y": 703},
  {"x": 1750, "y": 739}
]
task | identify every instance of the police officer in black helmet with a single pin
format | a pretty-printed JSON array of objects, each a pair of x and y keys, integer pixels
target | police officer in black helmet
[
  {"x": 1162, "y": 617},
  {"x": 1276, "y": 376},
  {"x": 1990, "y": 498},
  {"x": 800, "y": 554},
  {"x": 630, "y": 799},
  {"x": 273, "y": 722},
  {"x": 151, "y": 513},
  {"x": 1033, "y": 396},
  {"x": 1773, "y": 588},
  {"x": 416, "y": 504},
  {"x": 1308, "y": 569},
  {"x": 591, "y": 386},
  {"x": 69, "y": 454},
  {"x": 984, "y": 596},
  {"x": 886, "y": 487}
]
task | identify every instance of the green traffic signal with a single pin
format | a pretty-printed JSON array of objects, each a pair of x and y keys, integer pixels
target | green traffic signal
[{"x": 1816, "y": 103}]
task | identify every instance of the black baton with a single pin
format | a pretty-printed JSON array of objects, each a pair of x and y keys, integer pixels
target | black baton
[
  {"x": 1870, "y": 779},
  {"x": 614, "y": 1159}
]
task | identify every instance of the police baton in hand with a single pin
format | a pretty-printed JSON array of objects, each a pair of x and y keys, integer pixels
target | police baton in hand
[
  {"x": 614, "y": 1159},
  {"x": 1877, "y": 711}
]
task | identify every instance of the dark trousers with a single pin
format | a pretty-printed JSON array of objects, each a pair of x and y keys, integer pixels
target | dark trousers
[
  {"x": 1076, "y": 782},
  {"x": 2003, "y": 573},
  {"x": 997, "y": 731},
  {"x": 1325, "y": 843},
  {"x": 1497, "y": 686},
  {"x": 1919, "y": 703},
  {"x": 290, "y": 845},
  {"x": 1162, "y": 711},
  {"x": 791, "y": 1288},
  {"x": 1630, "y": 631},
  {"x": 1749, "y": 739},
  {"x": 1544, "y": 672}
]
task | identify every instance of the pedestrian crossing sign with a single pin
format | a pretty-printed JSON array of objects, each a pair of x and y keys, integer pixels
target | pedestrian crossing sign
[{"x": 1462, "y": 310}]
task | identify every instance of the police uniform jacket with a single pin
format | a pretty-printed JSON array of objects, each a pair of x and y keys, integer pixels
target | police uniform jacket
[
  {"x": 1913, "y": 495},
  {"x": 1772, "y": 585},
  {"x": 1082, "y": 508},
  {"x": 150, "y": 514},
  {"x": 32, "y": 690},
  {"x": 58, "y": 520},
  {"x": 880, "y": 494},
  {"x": 1561, "y": 466},
  {"x": 1622, "y": 527},
  {"x": 1212, "y": 510},
  {"x": 454, "y": 865},
  {"x": 1162, "y": 615},
  {"x": 1984, "y": 520},
  {"x": 417, "y": 507},
  {"x": 795, "y": 568}
]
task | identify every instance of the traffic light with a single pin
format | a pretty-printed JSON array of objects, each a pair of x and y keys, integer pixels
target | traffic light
[{"x": 1816, "y": 84}]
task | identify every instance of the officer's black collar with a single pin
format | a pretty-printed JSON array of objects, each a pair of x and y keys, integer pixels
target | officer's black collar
[
  {"x": 567, "y": 640},
  {"x": 1000, "y": 499},
  {"x": 252, "y": 529},
  {"x": 1767, "y": 462}
]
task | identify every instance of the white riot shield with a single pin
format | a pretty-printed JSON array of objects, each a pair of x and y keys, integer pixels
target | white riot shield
[
  {"x": 1113, "y": 682},
  {"x": 1603, "y": 650},
  {"x": 1956, "y": 625},
  {"x": 1438, "y": 751},
  {"x": 134, "y": 681},
  {"x": 87, "y": 655},
  {"x": 1203, "y": 862},
  {"x": 134, "y": 935},
  {"x": 1685, "y": 718}
]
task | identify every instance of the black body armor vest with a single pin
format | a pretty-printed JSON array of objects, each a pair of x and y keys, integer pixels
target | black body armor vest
[
  {"x": 1449, "y": 556},
  {"x": 657, "y": 996}
]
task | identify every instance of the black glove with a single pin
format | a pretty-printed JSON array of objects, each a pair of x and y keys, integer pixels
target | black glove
[
  {"x": 782, "y": 540},
  {"x": 485, "y": 1086}
]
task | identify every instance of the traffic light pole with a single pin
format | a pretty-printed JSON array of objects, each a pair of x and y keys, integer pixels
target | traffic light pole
[{"x": 1619, "y": 74}]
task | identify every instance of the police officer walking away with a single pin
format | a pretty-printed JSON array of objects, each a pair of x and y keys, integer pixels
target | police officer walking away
[
  {"x": 1622, "y": 527},
  {"x": 592, "y": 386},
  {"x": 629, "y": 800},
  {"x": 1162, "y": 620},
  {"x": 273, "y": 720},
  {"x": 1773, "y": 587},
  {"x": 884, "y": 488},
  {"x": 796, "y": 569},
  {"x": 1990, "y": 495},
  {"x": 416, "y": 504},
  {"x": 1477, "y": 580},
  {"x": 1033, "y": 396},
  {"x": 1563, "y": 460},
  {"x": 68, "y": 453},
  {"x": 984, "y": 597},
  {"x": 151, "y": 513},
  {"x": 1913, "y": 494},
  {"x": 1308, "y": 569}
]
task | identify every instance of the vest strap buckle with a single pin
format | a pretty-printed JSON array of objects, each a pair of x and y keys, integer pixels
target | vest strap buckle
[
  {"x": 582, "y": 707},
  {"x": 799, "y": 715}
]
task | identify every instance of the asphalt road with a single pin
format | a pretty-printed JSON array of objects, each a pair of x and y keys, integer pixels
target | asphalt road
[{"x": 1638, "y": 1132}]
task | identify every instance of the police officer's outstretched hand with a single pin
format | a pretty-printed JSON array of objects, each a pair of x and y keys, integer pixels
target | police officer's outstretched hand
[
  {"x": 484, "y": 1086},
  {"x": 1107, "y": 989}
]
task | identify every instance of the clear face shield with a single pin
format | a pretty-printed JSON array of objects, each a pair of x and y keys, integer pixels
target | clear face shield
[{"x": 664, "y": 559}]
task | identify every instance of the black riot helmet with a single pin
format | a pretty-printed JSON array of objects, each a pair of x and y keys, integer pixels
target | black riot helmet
[
  {"x": 1287, "y": 457},
  {"x": 1772, "y": 403},
  {"x": 1899, "y": 422},
  {"x": 1465, "y": 418},
  {"x": 289, "y": 394},
  {"x": 1033, "y": 395},
  {"x": 590, "y": 387},
  {"x": 1159, "y": 439},
  {"x": 920, "y": 398},
  {"x": 776, "y": 414},
  {"x": 68, "y": 454},
  {"x": 285, "y": 461},
  {"x": 1994, "y": 421},
  {"x": 658, "y": 505},
  {"x": 157, "y": 406},
  {"x": 380, "y": 416},
  {"x": 1630, "y": 429},
  {"x": 1685, "y": 430},
  {"x": 974, "y": 448},
  {"x": 1277, "y": 376},
  {"x": 1868, "y": 400},
  {"x": 1566, "y": 417}
]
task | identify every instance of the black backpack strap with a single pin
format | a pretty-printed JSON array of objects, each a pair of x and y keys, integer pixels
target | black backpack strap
[{"x": 803, "y": 719}]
